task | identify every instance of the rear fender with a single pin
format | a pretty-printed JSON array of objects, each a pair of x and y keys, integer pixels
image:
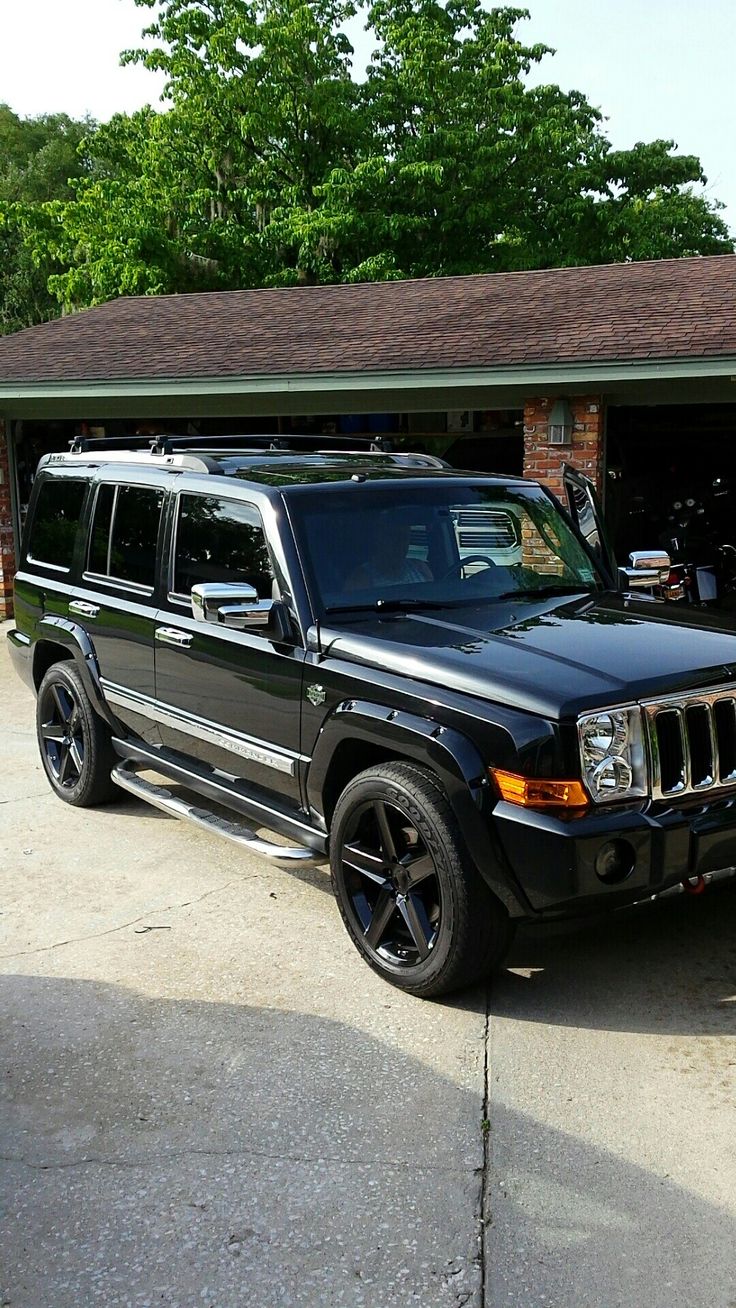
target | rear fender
[
  {"x": 451, "y": 756},
  {"x": 75, "y": 640}
]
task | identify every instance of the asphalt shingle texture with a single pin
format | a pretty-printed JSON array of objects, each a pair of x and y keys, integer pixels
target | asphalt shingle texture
[{"x": 668, "y": 309}]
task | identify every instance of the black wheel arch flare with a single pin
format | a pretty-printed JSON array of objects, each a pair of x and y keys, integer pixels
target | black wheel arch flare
[
  {"x": 73, "y": 642},
  {"x": 453, "y": 758}
]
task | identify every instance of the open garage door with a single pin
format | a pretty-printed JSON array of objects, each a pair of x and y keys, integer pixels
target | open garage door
[{"x": 667, "y": 465}]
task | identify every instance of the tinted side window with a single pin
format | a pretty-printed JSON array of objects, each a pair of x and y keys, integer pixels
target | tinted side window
[
  {"x": 125, "y": 533},
  {"x": 55, "y": 522},
  {"x": 220, "y": 540}
]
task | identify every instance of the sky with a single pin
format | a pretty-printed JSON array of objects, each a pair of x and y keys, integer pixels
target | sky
[{"x": 656, "y": 68}]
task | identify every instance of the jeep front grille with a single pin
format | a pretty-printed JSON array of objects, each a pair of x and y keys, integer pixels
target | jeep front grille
[{"x": 692, "y": 743}]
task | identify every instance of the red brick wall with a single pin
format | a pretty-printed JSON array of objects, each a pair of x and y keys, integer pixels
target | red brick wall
[
  {"x": 544, "y": 462},
  {"x": 7, "y": 550}
]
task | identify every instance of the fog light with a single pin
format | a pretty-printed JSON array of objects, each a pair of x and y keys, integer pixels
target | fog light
[{"x": 615, "y": 862}]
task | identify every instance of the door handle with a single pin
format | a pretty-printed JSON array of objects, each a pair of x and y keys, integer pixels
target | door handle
[
  {"x": 83, "y": 609},
  {"x": 172, "y": 636}
]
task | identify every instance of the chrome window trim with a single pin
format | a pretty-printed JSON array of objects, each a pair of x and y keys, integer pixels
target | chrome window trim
[
  {"x": 131, "y": 587},
  {"x": 41, "y": 563},
  {"x": 213, "y": 733}
]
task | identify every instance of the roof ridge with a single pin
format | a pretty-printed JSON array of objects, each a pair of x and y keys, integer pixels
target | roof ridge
[{"x": 681, "y": 260}]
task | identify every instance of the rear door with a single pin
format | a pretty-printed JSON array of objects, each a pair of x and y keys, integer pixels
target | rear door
[
  {"x": 116, "y": 599},
  {"x": 227, "y": 698}
]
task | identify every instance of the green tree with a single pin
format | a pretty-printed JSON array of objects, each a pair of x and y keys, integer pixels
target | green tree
[
  {"x": 274, "y": 165},
  {"x": 476, "y": 171},
  {"x": 39, "y": 157}
]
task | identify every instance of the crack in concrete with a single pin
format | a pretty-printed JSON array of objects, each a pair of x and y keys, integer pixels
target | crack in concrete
[
  {"x": 109, "y": 931},
  {"x": 18, "y": 799},
  {"x": 486, "y": 1134},
  {"x": 175, "y": 1154}
]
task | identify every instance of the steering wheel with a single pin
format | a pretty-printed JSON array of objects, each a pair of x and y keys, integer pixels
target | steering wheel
[{"x": 462, "y": 563}]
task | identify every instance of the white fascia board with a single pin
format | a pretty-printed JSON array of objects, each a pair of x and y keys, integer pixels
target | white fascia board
[{"x": 532, "y": 378}]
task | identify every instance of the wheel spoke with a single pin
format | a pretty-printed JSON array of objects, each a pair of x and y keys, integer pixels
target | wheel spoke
[
  {"x": 382, "y": 914},
  {"x": 413, "y": 912},
  {"x": 76, "y": 756},
  {"x": 64, "y": 759},
  {"x": 369, "y": 865},
  {"x": 419, "y": 868},
  {"x": 52, "y": 731},
  {"x": 387, "y": 840},
  {"x": 63, "y": 709}
]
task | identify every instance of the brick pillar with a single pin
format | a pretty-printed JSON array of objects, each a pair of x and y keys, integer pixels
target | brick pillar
[
  {"x": 7, "y": 545},
  {"x": 544, "y": 462}
]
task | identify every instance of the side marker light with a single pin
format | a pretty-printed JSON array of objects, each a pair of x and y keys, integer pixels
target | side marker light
[{"x": 537, "y": 792}]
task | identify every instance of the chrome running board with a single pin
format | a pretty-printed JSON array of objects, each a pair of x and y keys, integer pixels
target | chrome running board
[{"x": 125, "y": 776}]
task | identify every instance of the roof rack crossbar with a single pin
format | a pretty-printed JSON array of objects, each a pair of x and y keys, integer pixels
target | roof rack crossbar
[{"x": 93, "y": 444}]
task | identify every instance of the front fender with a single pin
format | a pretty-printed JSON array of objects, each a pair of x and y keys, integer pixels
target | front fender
[
  {"x": 453, "y": 758},
  {"x": 62, "y": 631}
]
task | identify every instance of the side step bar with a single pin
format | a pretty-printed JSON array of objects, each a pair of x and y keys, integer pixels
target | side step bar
[{"x": 125, "y": 776}]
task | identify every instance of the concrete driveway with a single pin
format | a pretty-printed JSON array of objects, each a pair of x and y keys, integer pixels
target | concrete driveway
[{"x": 209, "y": 1100}]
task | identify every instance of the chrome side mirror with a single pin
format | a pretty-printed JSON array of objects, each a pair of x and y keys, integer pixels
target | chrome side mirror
[
  {"x": 230, "y": 604},
  {"x": 245, "y": 617},
  {"x": 647, "y": 569}
]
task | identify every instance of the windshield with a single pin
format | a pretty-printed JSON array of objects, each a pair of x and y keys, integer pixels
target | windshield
[{"x": 375, "y": 546}]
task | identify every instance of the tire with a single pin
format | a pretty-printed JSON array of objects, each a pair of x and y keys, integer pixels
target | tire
[
  {"x": 75, "y": 743},
  {"x": 428, "y": 930}
]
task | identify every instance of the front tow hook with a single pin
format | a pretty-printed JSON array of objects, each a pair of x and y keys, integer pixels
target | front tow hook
[{"x": 694, "y": 885}]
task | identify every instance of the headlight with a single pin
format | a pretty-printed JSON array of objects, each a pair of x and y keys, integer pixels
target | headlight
[{"x": 612, "y": 754}]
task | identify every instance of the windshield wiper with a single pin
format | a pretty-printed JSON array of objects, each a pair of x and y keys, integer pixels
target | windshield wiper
[{"x": 543, "y": 591}]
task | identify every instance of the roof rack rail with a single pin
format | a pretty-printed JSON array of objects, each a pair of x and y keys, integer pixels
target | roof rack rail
[
  {"x": 171, "y": 444},
  {"x": 291, "y": 443}
]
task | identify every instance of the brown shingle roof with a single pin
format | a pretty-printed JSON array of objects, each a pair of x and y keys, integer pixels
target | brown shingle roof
[{"x": 670, "y": 309}]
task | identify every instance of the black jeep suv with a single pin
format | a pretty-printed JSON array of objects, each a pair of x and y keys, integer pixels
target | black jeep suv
[{"x": 436, "y": 679}]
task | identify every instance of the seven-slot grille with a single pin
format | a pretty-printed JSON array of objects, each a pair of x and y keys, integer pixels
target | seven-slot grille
[{"x": 692, "y": 743}]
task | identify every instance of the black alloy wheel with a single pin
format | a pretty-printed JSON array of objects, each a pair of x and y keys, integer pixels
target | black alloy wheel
[
  {"x": 75, "y": 744},
  {"x": 61, "y": 735},
  {"x": 392, "y": 883},
  {"x": 411, "y": 899}
]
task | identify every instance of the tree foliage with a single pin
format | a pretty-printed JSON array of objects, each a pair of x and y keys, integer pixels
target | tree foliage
[
  {"x": 38, "y": 157},
  {"x": 272, "y": 163}
]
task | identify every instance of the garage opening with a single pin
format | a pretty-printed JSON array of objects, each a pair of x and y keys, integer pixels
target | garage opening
[{"x": 671, "y": 473}]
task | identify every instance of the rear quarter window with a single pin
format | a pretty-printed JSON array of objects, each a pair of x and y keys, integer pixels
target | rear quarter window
[{"x": 53, "y": 530}]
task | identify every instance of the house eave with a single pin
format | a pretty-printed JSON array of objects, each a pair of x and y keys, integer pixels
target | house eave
[{"x": 535, "y": 378}]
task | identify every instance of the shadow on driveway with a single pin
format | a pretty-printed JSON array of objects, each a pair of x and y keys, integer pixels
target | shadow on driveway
[
  {"x": 185, "y": 1153},
  {"x": 661, "y": 968}
]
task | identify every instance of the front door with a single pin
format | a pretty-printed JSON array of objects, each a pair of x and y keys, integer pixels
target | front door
[{"x": 227, "y": 698}]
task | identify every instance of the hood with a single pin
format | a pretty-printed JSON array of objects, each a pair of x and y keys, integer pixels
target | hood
[{"x": 556, "y": 658}]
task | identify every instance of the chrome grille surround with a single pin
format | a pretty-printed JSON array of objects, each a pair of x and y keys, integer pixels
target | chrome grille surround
[{"x": 691, "y": 740}]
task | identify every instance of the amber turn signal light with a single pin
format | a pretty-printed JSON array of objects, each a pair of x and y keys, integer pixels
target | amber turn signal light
[{"x": 537, "y": 792}]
